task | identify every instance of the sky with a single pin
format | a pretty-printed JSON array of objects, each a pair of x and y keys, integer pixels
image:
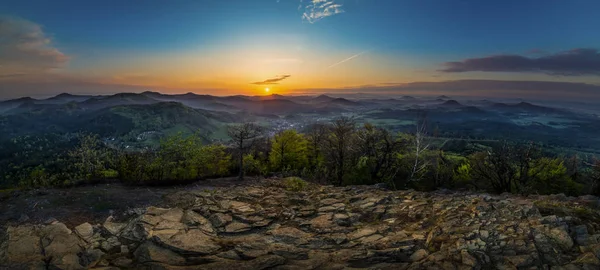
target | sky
[{"x": 227, "y": 47}]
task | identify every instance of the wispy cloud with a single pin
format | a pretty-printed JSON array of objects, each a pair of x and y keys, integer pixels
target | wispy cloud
[
  {"x": 315, "y": 10},
  {"x": 349, "y": 58},
  {"x": 576, "y": 62},
  {"x": 530, "y": 90},
  {"x": 272, "y": 81},
  {"x": 25, "y": 48}
]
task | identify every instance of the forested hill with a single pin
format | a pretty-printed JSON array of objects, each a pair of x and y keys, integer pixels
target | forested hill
[{"x": 116, "y": 121}]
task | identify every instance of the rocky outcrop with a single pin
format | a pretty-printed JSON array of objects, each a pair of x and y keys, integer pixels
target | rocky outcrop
[{"x": 266, "y": 227}]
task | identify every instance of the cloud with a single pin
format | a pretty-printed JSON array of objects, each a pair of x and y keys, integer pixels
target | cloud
[
  {"x": 576, "y": 62},
  {"x": 348, "y": 59},
  {"x": 315, "y": 10},
  {"x": 272, "y": 81},
  {"x": 529, "y": 90},
  {"x": 25, "y": 48}
]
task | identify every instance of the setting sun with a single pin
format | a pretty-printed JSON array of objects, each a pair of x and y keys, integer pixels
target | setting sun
[{"x": 267, "y": 89}]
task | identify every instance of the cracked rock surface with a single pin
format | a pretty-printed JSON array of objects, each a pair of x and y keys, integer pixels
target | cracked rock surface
[{"x": 264, "y": 226}]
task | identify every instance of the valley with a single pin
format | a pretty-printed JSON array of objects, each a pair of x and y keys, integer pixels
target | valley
[{"x": 138, "y": 121}]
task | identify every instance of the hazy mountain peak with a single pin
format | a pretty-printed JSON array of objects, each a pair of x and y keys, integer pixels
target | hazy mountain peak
[
  {"x": 525, "y": 104},
  {"x": 343, "y": 101},
  {"x": 151, "y": 93},
  {"x": 23, "y": 99},
  {"x": 323, "y": 98},
  {"x": 64, "y": 95},
  {"x": 451, "y": 103}
]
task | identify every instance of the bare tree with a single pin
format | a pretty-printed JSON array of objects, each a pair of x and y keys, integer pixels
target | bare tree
[
  {"x": 338, "y": 145},
  {"x": 243, "y": 136},
  {"x": 508, "y": 168},
  {"x": 420, "y": 146},
  {"x": 380, "y": 147}
]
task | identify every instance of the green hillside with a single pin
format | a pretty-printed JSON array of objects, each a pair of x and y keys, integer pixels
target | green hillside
[{"x": 141, "y": 124}]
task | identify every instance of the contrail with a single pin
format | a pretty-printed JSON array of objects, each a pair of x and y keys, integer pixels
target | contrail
[{"x": 348, "y": 59}]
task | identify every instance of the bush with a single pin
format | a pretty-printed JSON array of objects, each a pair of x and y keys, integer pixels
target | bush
[
  {"x": 254, "y": 166},
  {"x": 294, "y": 184},
  {"x": 549, "y": 176},
  {"x": 213, "y": 161},
  {"x": 462, "y": 174},
  {"x": 178, "y": 160},
  {"x": 109, "y": 174}
]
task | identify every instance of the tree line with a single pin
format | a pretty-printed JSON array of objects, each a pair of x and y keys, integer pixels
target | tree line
[{"x": 340, "y": 152}]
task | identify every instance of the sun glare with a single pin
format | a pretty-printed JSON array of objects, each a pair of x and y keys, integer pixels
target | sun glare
[{"x": 267, "y": 89}]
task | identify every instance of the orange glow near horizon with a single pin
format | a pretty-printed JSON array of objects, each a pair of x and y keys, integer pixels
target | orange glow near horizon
[{"x": 247, "y": 69}]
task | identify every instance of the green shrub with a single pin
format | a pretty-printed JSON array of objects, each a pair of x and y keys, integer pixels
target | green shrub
[
  {"x": 549, "y": 176},
  {"x": 254, "y": 166},
  {"x": 463, "y": 174},
  {"x": 178, "y": 160},
  {"x": 109, "y": 174},
  {"x": 294, "y": 184}
]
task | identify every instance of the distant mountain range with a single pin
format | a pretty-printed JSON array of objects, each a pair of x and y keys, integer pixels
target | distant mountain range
[
  {"x": 276, "y": 104},
  {"x": 451, "y": 104},
  {"x": 271, "y": 104},
  {"x": 126, "y": 115},
  {"x": 141, "y": 118}
]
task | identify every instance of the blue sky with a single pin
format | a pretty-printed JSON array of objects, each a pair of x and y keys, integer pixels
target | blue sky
[{"x": 224, "y": 46}]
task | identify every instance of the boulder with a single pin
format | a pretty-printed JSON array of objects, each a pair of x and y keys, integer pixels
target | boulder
[
  {"x": 419, "y": 255},
  {"x": 561, "y": 237},
  {"x": 240, "y": 207},
  {"x": 149, "y": 252},
  {"x": 156, "y": 211},
  {"x": 321, "y": 222},
  {"x": 220, "y": 220},
  {"x": 192, "y": 241},
  {"x": 237, "y": 227},
  {"x": 90, "y": 258},
  {"x": 85, "y": 231},
  {"x": 61, "y": 246},
  {"x": 290, "y": 235},
  {"x": 113, "y": 227},
  {"x": 111, "y": 244},
  {"x": 173, "y": 215},
  {"x": 23, "y": 245},
  {"x": 362, "y": 233},
  {"x": 193, "y": 219}
]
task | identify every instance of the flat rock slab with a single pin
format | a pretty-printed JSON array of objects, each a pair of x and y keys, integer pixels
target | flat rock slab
[{"x": 265, "y": 226}]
